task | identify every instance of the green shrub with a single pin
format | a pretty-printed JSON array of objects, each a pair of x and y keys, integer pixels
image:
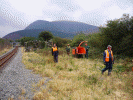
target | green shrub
[
  {"x": 92, "y": 79},
  {"x": 61, "y": 42},
  {"x": 120, "y": 68},
  {"x": 70, "y": 69},
  {"x": 78, "y": 39}
]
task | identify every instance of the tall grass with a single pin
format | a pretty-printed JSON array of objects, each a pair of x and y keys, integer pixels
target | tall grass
[
  {"x": 5, "y": 50},
  {"x": 5, "y": 46},
  {"x": 80, "y": 79}
]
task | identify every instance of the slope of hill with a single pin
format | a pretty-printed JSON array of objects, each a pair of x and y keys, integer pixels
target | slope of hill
[
  {"x": 64, "y": 26},
  {"x": 74, "y": 27},
  {"x": 34, "y": 33},
  {"x": 63, "y": 29},
  {"x": 40, "y": 24}
]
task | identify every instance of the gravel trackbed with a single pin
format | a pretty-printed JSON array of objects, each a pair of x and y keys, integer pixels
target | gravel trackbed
[{"x": 16, "y": 77}]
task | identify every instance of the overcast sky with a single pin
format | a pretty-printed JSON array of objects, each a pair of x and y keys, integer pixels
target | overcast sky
[{"x": 17, "y": 14}]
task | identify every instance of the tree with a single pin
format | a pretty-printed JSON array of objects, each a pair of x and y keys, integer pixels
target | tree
[
  {"x": 119, "y": 34},
  {"x": 45, "y": 36},
  {"x": 77, "y": 39},
  {"x": 61, "y": 42},
  {"x": 17, "y": 40},
  {"x": 26, "y": 39},
  {"x": 4, "y": 43}
]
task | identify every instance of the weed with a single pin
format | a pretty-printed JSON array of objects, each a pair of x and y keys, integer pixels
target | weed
[
  {"x": 101, "y": 67},
  {"x": 4, "y": 50},
  {"x": 66, "y": 65},
  {"x": 91, "y": 80},
  {"x": 74, "y": 78},
  {"x": 72, "y": 62},
  {"x": 23, "y": 91},
  {"x": 75, "y": 67},
  {"x": 59, "y": 67},
  {"x": 79, "y": 78},
  {"x": 82, "y": 76},
  {"x": 70, "y": 69},
  {"x": 121, "y": 68},
  {"x": 41, "y": 82},
  {"x": 39, "y": 96}
]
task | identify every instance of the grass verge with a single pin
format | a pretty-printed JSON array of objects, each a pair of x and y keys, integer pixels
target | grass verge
[{"x": 74, "y": 78}]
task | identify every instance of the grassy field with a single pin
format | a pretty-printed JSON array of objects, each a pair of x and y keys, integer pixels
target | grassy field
[
  {"x": 5, "y": 50},
  {"x": 78, "y": 79}
]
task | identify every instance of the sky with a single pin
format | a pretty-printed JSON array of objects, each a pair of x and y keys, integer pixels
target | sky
[{"x": 18, "y": 14}]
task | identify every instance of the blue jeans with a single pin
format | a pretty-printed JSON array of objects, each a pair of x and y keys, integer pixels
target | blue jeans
[{"x": 108, "y": 67}]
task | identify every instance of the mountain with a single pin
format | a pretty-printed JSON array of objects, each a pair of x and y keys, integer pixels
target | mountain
[
  {"x": 63, "y": 29},
  {"x": 64, "y": 26},
  {"x": 34, "y": 33},
  {"x": 74, "y": 27},
  {"x": 40, "y": 24}
]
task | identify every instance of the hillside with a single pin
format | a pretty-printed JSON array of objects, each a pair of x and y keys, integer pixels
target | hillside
[
  {"x": 63, "y": 29},
  {"x": 63, "y": 26},
  {"x": 35, "y": 33}
]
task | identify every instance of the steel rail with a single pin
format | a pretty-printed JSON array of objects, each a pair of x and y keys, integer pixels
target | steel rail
[{"x": 6, "y": 57}]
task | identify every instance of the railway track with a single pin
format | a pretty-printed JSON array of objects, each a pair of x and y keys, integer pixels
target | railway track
[{"x": 7, "y": 56}]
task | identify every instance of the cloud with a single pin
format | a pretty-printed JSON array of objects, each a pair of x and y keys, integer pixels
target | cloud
[
  {"x": 8, "y": 29},
  {"x": 30, "y": 7},
  {"x": 115, "y": 12},
  {"x": 99, "y": 12},
  {"x": 77, "y": 14},
  {"x": 17, "y": 14},
  {"x": 11, "y": 16},
  {"x": 90, "y": 5}
]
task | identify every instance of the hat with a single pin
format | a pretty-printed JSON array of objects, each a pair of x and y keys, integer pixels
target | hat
[{"x": 109, "y": 46}]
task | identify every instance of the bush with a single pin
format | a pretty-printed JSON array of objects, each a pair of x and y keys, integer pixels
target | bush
[
  {"x": 60, "y": 42},
  {"x": 4, "y": 43},
  {"x": 95, "y": 53},
  {"x": 119, "y": 34},
  {"x": 96, "y": 40},
  {"x": 26, "y": 39},
  {"x": 45, "y": 36},
  {"x": 77, "y": 39}
]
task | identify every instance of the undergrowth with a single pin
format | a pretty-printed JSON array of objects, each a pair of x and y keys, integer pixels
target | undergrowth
[{"x": 73, "y": 78}]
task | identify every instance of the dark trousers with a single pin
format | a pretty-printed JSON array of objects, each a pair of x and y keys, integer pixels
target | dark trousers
[
  {"x": 55, "y": 54},
  {"x": 108, "y": 67},
  {"x": 68, "y": 53},
  {"x": 86, "y": 55}
]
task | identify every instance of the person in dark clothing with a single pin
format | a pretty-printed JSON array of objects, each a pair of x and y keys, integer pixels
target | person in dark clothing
[
  {"x": 87, "y": 49},
  {"x": 108, "y": 59},
  {"x": 68, "y": 49},
  {"x": 55, "y": 53}
]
